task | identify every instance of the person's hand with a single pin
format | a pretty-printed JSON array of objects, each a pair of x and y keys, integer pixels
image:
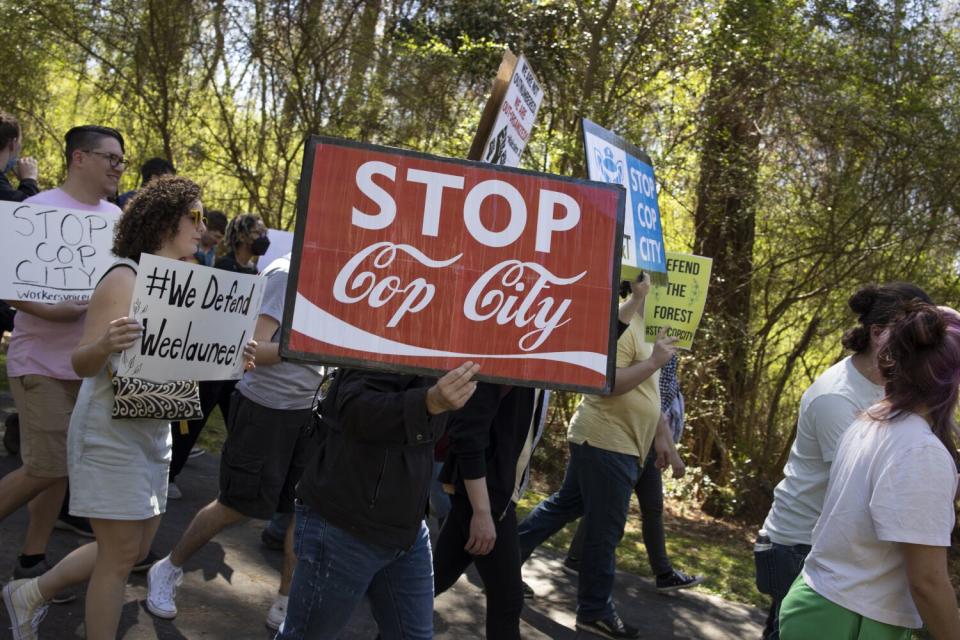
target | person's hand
[
  {"x": 452, "y": 390},
  {"x": 250, "y": 355},
  {"x": 640, "y": 286},
  {"x": 677, "y": 466},
  {"x": 121, "y": 335},
  {"x": 483, "y": 534},
  {"x": 26, "y": 169},
  {"x": 663, "y": 348}
]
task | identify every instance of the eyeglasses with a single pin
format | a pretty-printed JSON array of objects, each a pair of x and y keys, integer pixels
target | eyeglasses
[
  {"x": 198, "y": 217},
  {"x": 114, "y": 160}
]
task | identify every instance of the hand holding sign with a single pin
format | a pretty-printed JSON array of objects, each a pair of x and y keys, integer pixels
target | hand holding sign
[
  {"x": 663, "y": 348},
  {"x": 452, "y": 390},
  {"x": 121, "y": 335},
  {"x": 250, "y": 356}
]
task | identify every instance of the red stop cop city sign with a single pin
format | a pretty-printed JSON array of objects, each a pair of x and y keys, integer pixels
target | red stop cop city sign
[{"x": 414, "y": 263}]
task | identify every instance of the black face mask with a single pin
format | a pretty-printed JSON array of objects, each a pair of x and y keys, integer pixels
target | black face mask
[{"x": 260, "y": 246}]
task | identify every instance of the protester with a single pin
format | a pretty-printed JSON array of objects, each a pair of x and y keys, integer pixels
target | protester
[
  {"x": 491, "y": 442},
  {"x": 42, "y": 380},
  {"x": 216, "y": 228},
  {"x": 828, "y": 407},
  {"x": 269, "y": 441},
  {"x": 118, "y": 466},
  {"x": 609, "y": 436},
  {"x": 878, "y": 566},
  {"x": 11, "y": 142},
  {"x": 359, "y": 523},
  {"x": 152, "y": 168},
  {"x": 242, "y": 232},
  {"x": 246, "y": 239},
  {"x": 649, "y": 492}
]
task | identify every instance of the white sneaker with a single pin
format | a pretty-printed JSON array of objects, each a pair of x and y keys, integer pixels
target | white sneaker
[
  {"x": 277, "y": 613},
  {"x": 173, "y": 491},
  {"x": 25, "y": 606},
  {"x": 162, "y": 582}
]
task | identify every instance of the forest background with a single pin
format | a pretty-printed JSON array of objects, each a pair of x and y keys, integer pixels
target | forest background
[{"x": 808, "y": 147}]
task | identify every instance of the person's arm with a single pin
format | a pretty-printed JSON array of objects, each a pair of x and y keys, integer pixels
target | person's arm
[
  {"x": 268, "y": 352},
  {"x": 380, "y": 408},
  {"x": 469, "y": 433},
  {"x": 107, "y": 329},
  {"x": 639, "y": 288},
  {"x": 931, "y": 590},
  {"x": 66, "y": 311},
  {"x": 627, "y": 378},
  {"x": 483, "y": 531}
]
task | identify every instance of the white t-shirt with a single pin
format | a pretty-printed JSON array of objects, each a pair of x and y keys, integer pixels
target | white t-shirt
[
  {"x": 892, "y": 482},
  {"x": 828, "y": 407}
]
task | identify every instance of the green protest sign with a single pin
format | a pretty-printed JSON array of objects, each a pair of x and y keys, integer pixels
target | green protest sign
[{"x": 678, "y": 306}]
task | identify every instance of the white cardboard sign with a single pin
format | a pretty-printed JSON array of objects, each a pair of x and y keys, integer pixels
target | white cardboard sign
[
  {"x": 49, "y": 254},
  {"x": 196, "y": 321},
  {"x": 518, "y": 111}
]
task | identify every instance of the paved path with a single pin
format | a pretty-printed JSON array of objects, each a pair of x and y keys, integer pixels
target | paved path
[{"x": 230, "y": 584}]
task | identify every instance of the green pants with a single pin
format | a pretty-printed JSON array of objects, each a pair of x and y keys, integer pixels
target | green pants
[{"x": 806, "y": 614}]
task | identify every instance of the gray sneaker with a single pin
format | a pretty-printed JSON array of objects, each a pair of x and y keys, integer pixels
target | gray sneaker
[{"x": 20, "y": 573}]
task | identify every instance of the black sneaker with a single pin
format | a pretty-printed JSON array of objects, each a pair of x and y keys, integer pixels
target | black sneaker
[
  {"x": 611, "y": 627},
  {"x": 676, "y": 580},
  {"x": 20, "y": 572},
  {"x": 80, "y": 526},
  {"x": 147, "y": 562},
  {"x": 270, "y": 541},
  {"x": 528, "y": 593},
  {"x": 571, "y": 566}
]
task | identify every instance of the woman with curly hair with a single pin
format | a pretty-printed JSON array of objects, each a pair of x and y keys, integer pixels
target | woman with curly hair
[
  {"x": 246, "y": 236},
  {"x": 878, "y": 567},
  {"x": 118, "y": 467}
]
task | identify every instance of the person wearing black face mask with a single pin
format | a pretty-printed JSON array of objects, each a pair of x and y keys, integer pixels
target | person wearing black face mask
[{"x": 247, "y": 239}]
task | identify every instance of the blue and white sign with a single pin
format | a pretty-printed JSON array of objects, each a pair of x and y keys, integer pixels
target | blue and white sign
[{"x": 612, "y": 159}]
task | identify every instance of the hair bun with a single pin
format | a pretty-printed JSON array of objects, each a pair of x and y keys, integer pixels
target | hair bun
[
  {"x": 922, "y": 325},
  {"x": 863, "y": 300}
]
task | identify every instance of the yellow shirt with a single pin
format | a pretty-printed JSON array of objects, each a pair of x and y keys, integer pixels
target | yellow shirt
[{"x": 626, "y": 423}]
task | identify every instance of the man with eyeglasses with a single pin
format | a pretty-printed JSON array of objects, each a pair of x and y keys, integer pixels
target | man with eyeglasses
[{"x": 42, "y": 379}]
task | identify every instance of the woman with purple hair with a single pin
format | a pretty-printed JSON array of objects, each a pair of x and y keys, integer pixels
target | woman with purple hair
[{"x": 878, "y": 566}]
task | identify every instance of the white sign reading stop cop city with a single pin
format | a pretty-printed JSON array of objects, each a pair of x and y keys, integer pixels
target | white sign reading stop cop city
[
  {"x": 518, "y": 111},
  {"x": 49, "y": 254}
]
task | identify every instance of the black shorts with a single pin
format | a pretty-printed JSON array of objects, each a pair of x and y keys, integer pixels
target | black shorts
[{"x": 264, "y": 455}]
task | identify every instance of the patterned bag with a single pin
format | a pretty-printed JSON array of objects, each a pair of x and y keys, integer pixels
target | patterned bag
[{"x": 138, "y": 398}]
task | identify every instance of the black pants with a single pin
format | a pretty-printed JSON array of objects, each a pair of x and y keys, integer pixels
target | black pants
[
  {"x": 213, "y": 394},
  {"x": 649, "y": 492},
  {"x": 499, "y": 569}
]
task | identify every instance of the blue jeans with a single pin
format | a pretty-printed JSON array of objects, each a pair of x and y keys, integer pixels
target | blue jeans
[
  {"x": 777, "y": 568},
  {"x": 649, "y": 492},
  {"x": 597, "y": 486},
  {"x": 335, "y": 571}
]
